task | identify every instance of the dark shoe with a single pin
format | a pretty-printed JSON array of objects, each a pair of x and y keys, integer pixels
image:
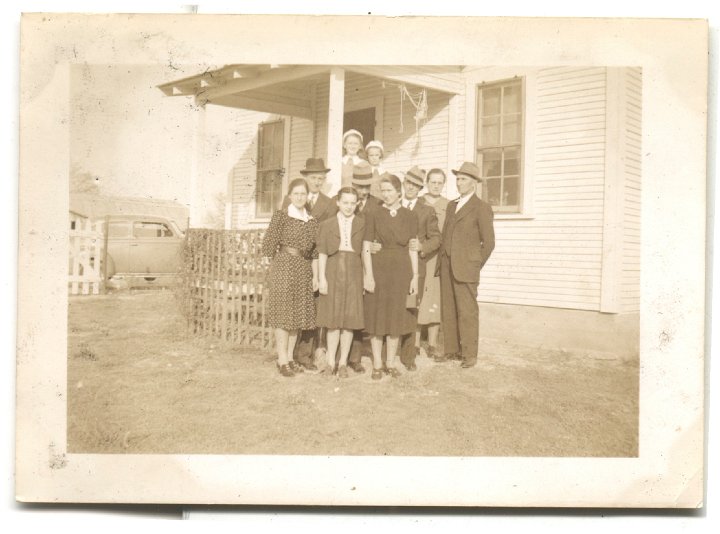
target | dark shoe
[
  {"x": 432, "y": 352},
  {"x": 295, "y": 366},
  {"x": 457, "y": 357},
  {"x": 376, "y": 374},
  {"x": 411, "y": 367},
  {"x": 342, "y": 372},
  {"x": 285, "y": 370},
  {"x": 467, "y": 364},
  {"x": 356, "y": 366},
  {"x": 393, "y": 372},
  {"x": 309, "y": 366},
  {"x": 442, "y": 358}
]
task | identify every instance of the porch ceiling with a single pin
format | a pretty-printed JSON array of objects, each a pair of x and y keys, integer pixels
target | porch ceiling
[{"x": 285, "y": 89}]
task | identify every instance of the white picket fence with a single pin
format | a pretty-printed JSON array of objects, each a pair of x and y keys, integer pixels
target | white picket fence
[{"x": 86, "y": 253}]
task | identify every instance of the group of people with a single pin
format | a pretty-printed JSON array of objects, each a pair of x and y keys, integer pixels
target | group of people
[{"x": 377, "y": 260}]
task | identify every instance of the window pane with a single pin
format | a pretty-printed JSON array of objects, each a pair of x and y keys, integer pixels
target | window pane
[
  {"x": 493, "y": 190},
  {"x": 511, "y": 99},
  {"x": 511, "y": 129},
  {"x": 264, "y": 201},
  {"x": 490, "y": 131},
  {"x": 119, "y": 229},
  {"x": 512, "y": 162},
  {"x": 491, "y": 162},
  {"x": 510, "y": 192},
  {"x": 491, "y": 101},
  {"x": 151, "y": 229}
]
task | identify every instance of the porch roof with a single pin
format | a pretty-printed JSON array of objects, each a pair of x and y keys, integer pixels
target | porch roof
[{"x": 284, "y": 88}]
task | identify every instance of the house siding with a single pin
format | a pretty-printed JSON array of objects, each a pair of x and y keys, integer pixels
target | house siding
[
  {"x": 553, "y": 258},
  {"x": 630, "y": 281}
]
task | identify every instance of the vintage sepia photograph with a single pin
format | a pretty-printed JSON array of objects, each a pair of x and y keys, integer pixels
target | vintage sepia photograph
[
  {"x": 191, "y": 266},
  {"x": 268, "y": 263}
]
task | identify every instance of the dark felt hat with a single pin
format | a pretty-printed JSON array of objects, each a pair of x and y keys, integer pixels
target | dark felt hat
[{"x": 313, "y": 166}]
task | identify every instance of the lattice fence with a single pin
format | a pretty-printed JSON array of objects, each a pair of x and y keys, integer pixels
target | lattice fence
[
  {"x": 223, "y": 291},
  {"x": 85, "y": 261}
]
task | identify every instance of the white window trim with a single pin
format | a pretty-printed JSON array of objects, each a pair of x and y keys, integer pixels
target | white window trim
[{"x": 492, "y": 75}]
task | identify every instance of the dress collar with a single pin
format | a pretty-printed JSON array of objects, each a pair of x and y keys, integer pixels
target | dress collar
[
  {"x": 355, "y": 159},
  {"x": 298, "y": 213}
]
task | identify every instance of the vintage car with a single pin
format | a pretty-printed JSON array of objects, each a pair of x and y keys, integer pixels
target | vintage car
[{"x": 142, "y": 251}]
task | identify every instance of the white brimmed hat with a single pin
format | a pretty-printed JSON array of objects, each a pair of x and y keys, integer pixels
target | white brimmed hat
[
  {"x": 375, "y": 144},
  {"x": 353, "y": 132}
]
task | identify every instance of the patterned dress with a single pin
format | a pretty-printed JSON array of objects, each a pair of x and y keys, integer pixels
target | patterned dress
[
  {"x": 429, "y": 309},
  {"x": 385, "y": 309},
  {"x": 292, "y": 304}
]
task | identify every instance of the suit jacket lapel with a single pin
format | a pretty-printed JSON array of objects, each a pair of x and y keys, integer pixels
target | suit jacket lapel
[
  {"x": 320, "y": 206},
  {"x": 467, "y": 208}
]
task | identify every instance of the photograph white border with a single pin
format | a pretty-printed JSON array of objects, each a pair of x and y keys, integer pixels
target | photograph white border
[{"x": 669, "y": 469}]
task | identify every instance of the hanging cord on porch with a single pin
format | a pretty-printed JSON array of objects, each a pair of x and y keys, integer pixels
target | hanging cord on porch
[{"x": 421, "y": 109}]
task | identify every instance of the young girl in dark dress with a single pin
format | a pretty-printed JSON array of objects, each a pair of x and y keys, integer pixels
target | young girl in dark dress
[
  {"x": 290, "y": 243},
  {"x": 340, "y": 307},
  {"x": 390, "y": 274}
]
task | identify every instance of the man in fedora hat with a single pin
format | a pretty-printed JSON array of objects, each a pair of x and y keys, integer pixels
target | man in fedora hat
[
  {"x": 320, "y": 207},
  {"x": 426, "y": 242},
  {"x": 468, "y": 239}
]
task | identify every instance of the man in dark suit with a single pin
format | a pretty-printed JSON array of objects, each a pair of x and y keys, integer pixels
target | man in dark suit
[
  {"x": 468, "y": 239},
  {"x": 320, "y": 207},
  {"x": 426, "y": 242}
]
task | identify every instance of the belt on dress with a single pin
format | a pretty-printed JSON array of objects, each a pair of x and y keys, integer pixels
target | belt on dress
[{"x": 291, "y": 250}]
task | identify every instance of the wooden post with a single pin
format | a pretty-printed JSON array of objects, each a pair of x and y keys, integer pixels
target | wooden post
[
  {"x": 106, "y": 233},
  {"x": 336, "y": 111}
]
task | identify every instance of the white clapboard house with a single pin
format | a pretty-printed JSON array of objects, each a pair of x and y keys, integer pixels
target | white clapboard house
[{"x": 559, "y": 148}]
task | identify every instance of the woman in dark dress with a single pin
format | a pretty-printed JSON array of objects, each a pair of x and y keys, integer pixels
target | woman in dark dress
[
  {"x": 340, "y": 275},
  {"x": 390, "y": 274},
  {"x": 290, "y": 243}
]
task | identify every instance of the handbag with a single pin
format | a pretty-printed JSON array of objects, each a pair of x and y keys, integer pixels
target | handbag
[{"x": 411, "y": 301}]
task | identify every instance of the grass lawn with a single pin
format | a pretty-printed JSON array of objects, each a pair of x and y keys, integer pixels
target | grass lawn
[{"x": 138, "y": 383}]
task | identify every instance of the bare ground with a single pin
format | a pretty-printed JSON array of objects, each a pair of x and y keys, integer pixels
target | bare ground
[{"x": 137, "y": 383}]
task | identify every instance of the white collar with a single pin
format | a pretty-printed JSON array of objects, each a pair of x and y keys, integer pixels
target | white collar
[
  {"x": 355, "y": 159},
  {"x": 298, "y": 213},
  {"x": 344, "y": 219},
  {"x": 410, "y": 204}
]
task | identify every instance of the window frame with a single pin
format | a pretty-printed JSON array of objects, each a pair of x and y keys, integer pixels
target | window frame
[
  {"x": 283, "y": 125},
  {"x": 521, "y": 145}
]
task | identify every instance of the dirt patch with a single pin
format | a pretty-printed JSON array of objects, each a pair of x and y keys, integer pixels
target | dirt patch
[{"x": 138, "y": 383}]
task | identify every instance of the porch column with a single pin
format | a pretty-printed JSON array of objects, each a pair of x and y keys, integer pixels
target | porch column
[
  {"x": 197, "y": 206},
  {"x": 336, "y": 110}
]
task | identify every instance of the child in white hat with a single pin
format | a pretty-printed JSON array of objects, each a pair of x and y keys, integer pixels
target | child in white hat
[
  {"x": 375, "y": 154},
  {"x": 352, "y": 146}
]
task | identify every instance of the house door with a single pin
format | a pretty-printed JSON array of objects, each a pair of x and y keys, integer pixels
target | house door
[{"x": 362, "y": 120}]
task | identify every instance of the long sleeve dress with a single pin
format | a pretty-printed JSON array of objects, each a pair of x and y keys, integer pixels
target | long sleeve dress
[
  {"x": 385, "y": 309},
  {"x": 292, "y": 304}
]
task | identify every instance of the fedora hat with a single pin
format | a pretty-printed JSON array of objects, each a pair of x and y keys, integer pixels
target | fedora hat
[
  {"x": 362, "y": 174},
  {"x": 468, "y": 169},
  {"x": 415, "y": 176},
  {"x": 314, "y": 165}
]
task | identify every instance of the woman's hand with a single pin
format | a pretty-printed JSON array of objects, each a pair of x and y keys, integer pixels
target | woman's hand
[
  {"x": 369, "y": 284},
  {"x": 315, "y": 284},
  {"x": 323, "y": 286},
  {"x": 414, "y": 285}
]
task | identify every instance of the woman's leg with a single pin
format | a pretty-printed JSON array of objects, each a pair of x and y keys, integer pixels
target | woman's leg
[
  {"x": 376, "y": 343},
  {"x": 433, "y": 331},
  {"x": 346, "y": 338},
  {"x": 291, "y": 339},
  {"x": 281, "y": 345},
  {"x": 333, "y": 337},
  {"x": 392, "y": 347}
]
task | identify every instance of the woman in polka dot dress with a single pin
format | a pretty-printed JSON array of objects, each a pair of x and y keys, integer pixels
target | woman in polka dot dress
[{"x": 293, "y": 279}]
